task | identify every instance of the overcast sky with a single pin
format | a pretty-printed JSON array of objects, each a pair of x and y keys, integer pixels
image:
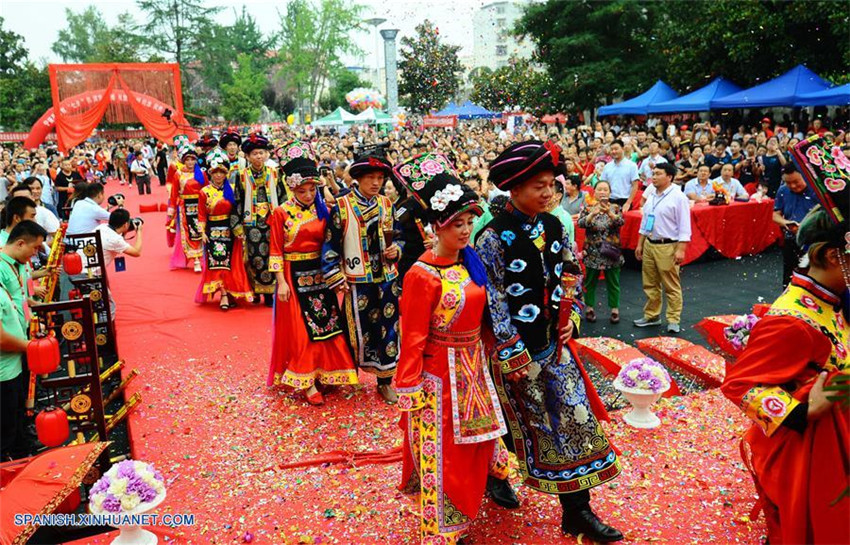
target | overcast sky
[{"x": 39, "y": 21}]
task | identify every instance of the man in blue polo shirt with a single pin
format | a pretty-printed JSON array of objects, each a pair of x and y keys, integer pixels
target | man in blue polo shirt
[{"x": 793, "y": 201}]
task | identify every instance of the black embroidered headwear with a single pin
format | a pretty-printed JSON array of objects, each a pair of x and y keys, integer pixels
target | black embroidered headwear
[
  {"x": 433, "y": 183},
  {"x": 523, "y": 160}
]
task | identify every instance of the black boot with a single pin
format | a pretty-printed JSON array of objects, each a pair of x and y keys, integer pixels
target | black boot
[
  {"x": 501, "y": 493},
  {"x": 578, "y": 518}
]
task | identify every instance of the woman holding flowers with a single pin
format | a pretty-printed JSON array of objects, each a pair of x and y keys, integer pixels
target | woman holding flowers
[{"x": 451, "y": 416}]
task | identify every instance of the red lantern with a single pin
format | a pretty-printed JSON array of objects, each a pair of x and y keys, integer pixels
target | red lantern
[
  {"x": 74, "y": 294},
  {"x": 72, "y": 263},
  {"x": 43, "y": 354},
  {"x": 51, "y": 425}
]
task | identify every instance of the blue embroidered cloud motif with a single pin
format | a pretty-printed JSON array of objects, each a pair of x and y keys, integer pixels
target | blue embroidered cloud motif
[
  {"x": 510, "y": 351},
  {"x": 517, "y": 289},
  {"x": 556, "y": 247},
  {"x": 558, "y": 269},
  {"x": 528, "y": 313},
  {"x": 517, "y": 265},
  {"x": 508, "y": 237},
  {"x": 557, "y": 293}
]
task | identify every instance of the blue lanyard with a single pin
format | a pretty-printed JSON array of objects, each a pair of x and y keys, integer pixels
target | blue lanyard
[{"x": 656, "y": 201}]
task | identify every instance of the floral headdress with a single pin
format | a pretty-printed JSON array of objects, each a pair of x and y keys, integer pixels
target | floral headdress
[
  {"x": 217, "y": 159},
  {"x": 433, "y": 182},
  {"x": 298, "y": 163}
]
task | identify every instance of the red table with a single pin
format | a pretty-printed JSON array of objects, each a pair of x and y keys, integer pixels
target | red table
[{"x": 740, "y": 228}]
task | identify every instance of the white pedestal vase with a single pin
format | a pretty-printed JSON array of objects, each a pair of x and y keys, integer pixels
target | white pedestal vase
[
  {"x": 134, "y": 534},
  {"x": 641, "y": 400}
]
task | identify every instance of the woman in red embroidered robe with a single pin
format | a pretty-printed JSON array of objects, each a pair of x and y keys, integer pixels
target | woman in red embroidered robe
[
  {"x": 224, "y": 269},
  {"x": 308, "y": 345},
  {"x": 186, "y": 183},
  {"x": 451, "y": 416},
  {"x": 799, "y": 440}
]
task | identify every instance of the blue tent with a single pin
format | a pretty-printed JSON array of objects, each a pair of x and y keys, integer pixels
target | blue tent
[
  {"x": 660, "y": 92},
  {"x": 837, "y": 96},
  {"x": 450, "y": 109},
  {"x": 699, "y": 100},
  {"x": 785, "y": 90},
  {"x": 468, "y": 110}
]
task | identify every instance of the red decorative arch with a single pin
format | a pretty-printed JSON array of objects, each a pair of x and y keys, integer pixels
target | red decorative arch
[
  {"x": 94, "y": 87},
  {"x": 162, "y": 130}
]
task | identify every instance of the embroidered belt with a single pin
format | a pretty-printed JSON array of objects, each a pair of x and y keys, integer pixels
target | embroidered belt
[
  {"x": 454, "y": 338},
  {"x": 299, "y": 256},
  {"x": 219, "y": 218}
]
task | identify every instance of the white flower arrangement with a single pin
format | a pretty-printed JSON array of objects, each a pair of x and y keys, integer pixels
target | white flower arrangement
[{"x": 125, "y": 486}]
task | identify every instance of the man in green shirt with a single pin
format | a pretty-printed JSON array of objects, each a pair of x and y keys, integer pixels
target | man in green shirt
[{"x": 22, "y": 244}]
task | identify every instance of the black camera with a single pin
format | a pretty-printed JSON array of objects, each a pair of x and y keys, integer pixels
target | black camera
[
  {"x": 135, "y": 223},
  {"x": 116, "y": 200}
]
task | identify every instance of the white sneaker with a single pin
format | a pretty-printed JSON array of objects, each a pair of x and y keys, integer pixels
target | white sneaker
[
  {"x": 198, "y": 267},
  {"x": 673, "y": 328}
]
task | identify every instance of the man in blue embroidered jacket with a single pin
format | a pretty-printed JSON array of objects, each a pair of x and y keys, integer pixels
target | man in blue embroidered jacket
[
  {"x": 359, "y": 259},
  {"x": 559, "y": 443}
]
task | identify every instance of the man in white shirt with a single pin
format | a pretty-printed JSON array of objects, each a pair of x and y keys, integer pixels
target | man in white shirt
[
  {"x": 648, "y": 164},
  {"x": 732, "y": 186},
  {"x": 87, "y": 214},
  {"x": 700, "y": 189},
  {"x": 665, "y": 231},
  {"x": 141, "y": 169},
  {"x": 113, "y": 242},
  {"x": 622, "y": 175}
]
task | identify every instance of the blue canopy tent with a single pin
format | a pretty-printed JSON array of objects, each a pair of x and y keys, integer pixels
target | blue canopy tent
[
  {"x": 785, "y": 90},
  {"x": 837, "y": 96},
  {"x": 660, "y": 92},
  {"x": 697, "y": 101},
  {"x": 450, "y": 109},
  {"x": 468, "y": 110}
]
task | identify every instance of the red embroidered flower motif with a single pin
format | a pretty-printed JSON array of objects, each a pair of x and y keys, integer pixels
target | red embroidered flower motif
[
  {"x": 376, "y": 163},
  {"x": 839, "y": 320},
  {"x": 429, "y": 416},
  {"x": 841, "y": 160},
  {"x": 429, "y": 386},
  {"x": 809, "y": 303},
  {"x": 835, "y": 185},
  {"x": 450, "y": 300},
  {"x": 453, "y": 275},
  {"x": 405, "y": 402},
  {"x": 840, "y": 350},
  {"x": 774, "y": 406},
  {"x": 317, "y": 305},
  {"x": 429, "y": 448},
  {"x": 429, "y": 480},
  {"x": 418, "y": 185},
  {"x": 438, "y": 539},
  {"x": 429, "y": 512},
  {"x": 815, "y": 155}
]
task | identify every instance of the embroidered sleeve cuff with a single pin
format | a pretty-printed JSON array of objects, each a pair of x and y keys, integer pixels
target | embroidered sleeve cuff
[
  {"x": 410, "y": 399},
  {"x": 512, "y": 355},
  {"x": 334, "y": 278},
  {"x": 275, "y": 263},
  {"x": 768, "y": 407}
]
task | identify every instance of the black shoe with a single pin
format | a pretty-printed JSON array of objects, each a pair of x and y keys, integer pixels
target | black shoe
[
  {"x": 585, "y": 521},
  {"x": 268, "y": 299},
  {"x": 501, "y": 493}
]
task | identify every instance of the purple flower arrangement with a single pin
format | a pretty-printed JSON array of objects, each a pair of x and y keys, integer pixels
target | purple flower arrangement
[
  {"x": 644, "y": 374},
  {"x": 738, "y": 334},
  {"x": 125, "y": 486}
]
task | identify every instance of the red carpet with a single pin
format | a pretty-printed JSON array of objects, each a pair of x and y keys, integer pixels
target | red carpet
[{"x": 239, "y": 457}]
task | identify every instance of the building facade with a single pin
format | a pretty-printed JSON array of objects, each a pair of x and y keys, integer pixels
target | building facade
[{"x": 493, "y": 43}]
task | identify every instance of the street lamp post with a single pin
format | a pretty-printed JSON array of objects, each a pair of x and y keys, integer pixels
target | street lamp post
[
  {"x": 375, "y": 22},
  {"x": 391, "y": 69}
]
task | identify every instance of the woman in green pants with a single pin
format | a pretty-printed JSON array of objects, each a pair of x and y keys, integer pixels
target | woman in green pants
[{"x": 602, "y": 252}]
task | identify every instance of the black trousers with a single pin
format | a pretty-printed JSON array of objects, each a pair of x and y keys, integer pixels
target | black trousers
[
  {"x": 12, "y": 421},
  {"x": 791, "y": 254},
  {"x": 160, "y": 173},
  {"x": 143, "y": 183},
  {"x": 575, "y": 501}
]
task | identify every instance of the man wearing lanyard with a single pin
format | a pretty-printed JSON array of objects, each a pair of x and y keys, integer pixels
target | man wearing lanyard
[
  {"x": 23, "y": 243},
  {"x": 664, "y": 234}
]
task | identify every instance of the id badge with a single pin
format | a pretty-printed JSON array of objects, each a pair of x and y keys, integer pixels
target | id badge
[
  {"x": 120, "y": 264},
  {"x": 648, "y": 223}
]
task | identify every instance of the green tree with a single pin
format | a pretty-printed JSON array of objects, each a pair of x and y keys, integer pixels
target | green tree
[
  {"x": 343, "y": 82},
  {"x": 241, "y": 100},
  {"x": 518, "y": 84},
  {"x": 312, "y": 39},
  {"x": 751, "y": 42},
  {"x": 430, "y": 70},
  {"x": 24, "y": 87},
  {"x": 12, "y": 50},
  {"x": 87, "y": 38},
  {"x": 595, "y": 51},
  {"x": 176, "y": 27}
]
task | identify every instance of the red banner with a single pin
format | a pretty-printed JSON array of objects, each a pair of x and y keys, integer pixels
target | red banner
[{"x": 440, "y": 121}]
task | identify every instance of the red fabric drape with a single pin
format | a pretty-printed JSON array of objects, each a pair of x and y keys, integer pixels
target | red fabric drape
[
  {"x": 71, "y": 129},
  {"x": 159, "y": 127}
]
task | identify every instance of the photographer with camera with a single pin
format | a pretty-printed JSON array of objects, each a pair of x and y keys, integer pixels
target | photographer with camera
[{"x": 115, "y": 246}]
